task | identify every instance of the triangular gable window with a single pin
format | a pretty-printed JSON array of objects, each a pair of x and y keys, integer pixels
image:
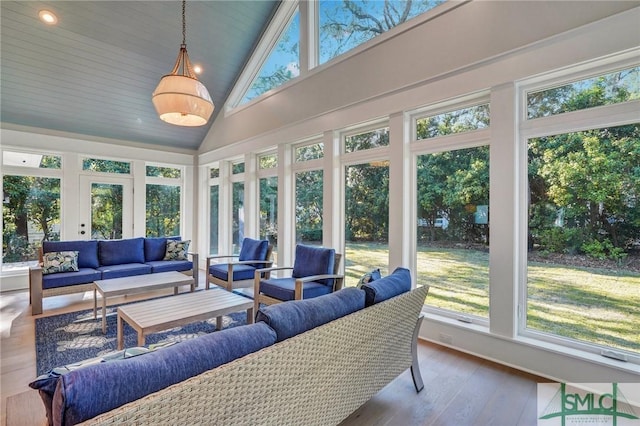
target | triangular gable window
[{"x": 282, "y": 64}]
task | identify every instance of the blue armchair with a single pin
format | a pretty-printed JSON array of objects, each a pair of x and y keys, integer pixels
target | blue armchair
[
  {"x": 254, "y": 254},
  {"x": 314, "y": 273}
]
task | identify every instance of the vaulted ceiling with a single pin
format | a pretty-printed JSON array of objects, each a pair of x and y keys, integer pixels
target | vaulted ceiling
[{"x": 93, "y": 73}]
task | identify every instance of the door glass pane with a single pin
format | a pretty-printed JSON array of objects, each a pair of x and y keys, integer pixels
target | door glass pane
[
  {"x": 106, "y": 211},
  {"x": 453, "y": 229},
  {"x": 309, "y": 207},
  {"x": 214, "y": 198},
  {"x": 584, "y": 236},
  {"x": 163, "y": 210},
  {"x": 238, "y": 216},
  {"x": 269, "y": 211},
  {"x": 366, "y": 220},
  {"x": 31, "y": 214}
]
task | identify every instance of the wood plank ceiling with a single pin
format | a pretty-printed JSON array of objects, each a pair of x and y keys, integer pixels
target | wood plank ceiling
[{"x": 93, "y": 73}]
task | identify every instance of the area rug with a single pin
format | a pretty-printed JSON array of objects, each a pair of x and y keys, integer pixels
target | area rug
[{"x": 76, "y": 336}]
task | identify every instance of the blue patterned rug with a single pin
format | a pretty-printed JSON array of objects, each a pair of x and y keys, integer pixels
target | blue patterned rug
[{"x": 76, "y": 336}]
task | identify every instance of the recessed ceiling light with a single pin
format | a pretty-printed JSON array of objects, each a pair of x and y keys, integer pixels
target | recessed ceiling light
[
  {"x": 197, "y": 69},
  {"x": 48, "y": 17}
]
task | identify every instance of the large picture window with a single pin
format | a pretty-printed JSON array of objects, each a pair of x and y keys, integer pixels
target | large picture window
[{"x": 584, "y": 236}]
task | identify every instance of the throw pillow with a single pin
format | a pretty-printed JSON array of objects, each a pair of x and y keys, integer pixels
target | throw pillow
[
  {"x": 176, "y": 250},
  {"x": 368, "y": 277},
  {"x": 59, "y": 261}
]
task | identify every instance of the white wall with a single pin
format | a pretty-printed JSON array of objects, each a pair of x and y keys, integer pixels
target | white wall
[{"x": 481, "y": 46}]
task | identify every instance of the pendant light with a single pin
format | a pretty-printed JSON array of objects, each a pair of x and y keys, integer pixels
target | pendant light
[{"x": 180, "y": 98}]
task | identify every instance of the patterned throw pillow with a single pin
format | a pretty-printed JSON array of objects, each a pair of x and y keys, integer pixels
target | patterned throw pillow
[
  {"x": 176, "y": 250},
  {"x": 59, "y": 261},
  {"x": 369, "y": 277}
]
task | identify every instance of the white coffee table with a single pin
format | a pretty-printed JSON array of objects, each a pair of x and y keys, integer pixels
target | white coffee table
[
  {"x": 168, "y": 312},
  {"x": 136, "y": 284}
]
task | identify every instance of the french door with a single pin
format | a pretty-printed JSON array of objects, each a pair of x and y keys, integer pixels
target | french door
[{"x": 106, "y": 208}]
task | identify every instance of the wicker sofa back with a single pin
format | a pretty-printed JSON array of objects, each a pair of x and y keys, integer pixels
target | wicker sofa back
[
  {"x": 317, "y": 377},
  {"x": 103, "y": 259}
]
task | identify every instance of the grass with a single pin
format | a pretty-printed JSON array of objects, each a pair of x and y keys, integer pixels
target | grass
[{"x": 588, "y": 304}]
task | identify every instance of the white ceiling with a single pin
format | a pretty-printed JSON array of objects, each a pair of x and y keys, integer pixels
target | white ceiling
[{"x": 94, "y": 72}]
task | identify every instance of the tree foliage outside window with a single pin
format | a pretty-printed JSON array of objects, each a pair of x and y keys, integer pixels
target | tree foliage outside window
[
  {"x": 308, "y": 208},
  {"x": 31, "y": 214},
  {"x": 237, "y": 204},
  {"x": 344, "y": 25},
  {"x": 367, "y": 140},
  {"x": 214, "y": 199},
  {"x": 106, "y": 211},
  {"x": 309, "y": 152},
  {"x": 106, "y": 166},
  {"x": 165, "y": 172},
  {"x": 269, "y": 210},
  {"x": 452, "y": 122},
  {"x": 268, "y": 161},
  {"x": 163, "y": 210}
]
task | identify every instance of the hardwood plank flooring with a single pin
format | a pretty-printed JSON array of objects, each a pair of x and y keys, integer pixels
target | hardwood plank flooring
[{"x": 460, "y": 389}]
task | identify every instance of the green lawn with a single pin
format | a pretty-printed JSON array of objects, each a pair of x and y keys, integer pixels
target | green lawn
[{"x": 589, "y": 304}]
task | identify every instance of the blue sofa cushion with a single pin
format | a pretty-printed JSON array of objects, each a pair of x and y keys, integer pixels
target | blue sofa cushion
[
  {"x": 155, "y": 248},
  {"x": 118, "y": 252},
  {"x": 170, "y": 265},
  {"x": 126, "y": 270},
  {"x": 59, "y": 261},
  {"x": 87, "y": 251},
  {"x": 62, "y": 279},
  {"x": 390, "y": 286},
  {"x": 240, "y": 272},
  {"x": 313, "y": 261},
  {"x": 284, "y": 288},
  {"x": 46, "y": 383},
  {"x": 292, "y": 318},
  {"x": 254, "y": 250},
  {"x": 87, "y": 392}
]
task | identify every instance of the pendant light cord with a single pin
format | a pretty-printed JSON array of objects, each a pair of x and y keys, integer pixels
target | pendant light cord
[{"x": 184, "y": 23}]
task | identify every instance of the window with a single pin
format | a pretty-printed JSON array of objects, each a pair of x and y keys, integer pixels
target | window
[
  {"x": 308, "y": 207},
  {"x": 452, "y": 122},
  {"x": 237, "y": 168},
  {"x": 367, "y": 140},
  {"x": 366, "y": 206},
  {"x": 282, "y": 65},
  {"x": 453, "y": 229},
  {"x": 612, "y": 88},
  {"x": 309, "y": 152},
  {"x": 31, "y": 214},
  {"x": 268, "y": 161},
  {"x": 163, "y": 201},
  {"x": 237, "y": 215},
  {"x": 583, "y": 269},
  {"x": 106, "y": 166},
  {"x": 268, "y": 196},
  {"x": 25, "y": 159},
  {"x": 214, "y": 199},
  {"x": 345, "y": 25}
]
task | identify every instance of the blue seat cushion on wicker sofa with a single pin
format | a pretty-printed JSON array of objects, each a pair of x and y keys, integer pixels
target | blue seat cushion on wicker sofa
[
  {"x": 390, "y": 286},
  {"x": 292, "y": 318},
  {"x": 126, "y": 270},
  {"x": 170, "y": 265},
  {"x": 284, "y": 288},
  {"x": 87, "y": 251},
  {"x": 313, "y": 261},
  {"x": 253, "y": 250},
  {"x": 62, "y": 279},
  {"x": 240, "y": 272},
  {"x": 87, "y": 392},
  {"x": 156, "y": 247},
  {"x": 119, "y": 252}
]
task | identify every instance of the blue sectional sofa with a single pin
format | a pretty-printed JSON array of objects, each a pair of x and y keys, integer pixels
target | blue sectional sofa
[
  {"x": 101, "y": 260},
  {"x": 305, "y": 362}
]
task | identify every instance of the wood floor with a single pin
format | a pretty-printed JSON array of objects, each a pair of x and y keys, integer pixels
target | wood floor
[{"x": 460, "y": 389}]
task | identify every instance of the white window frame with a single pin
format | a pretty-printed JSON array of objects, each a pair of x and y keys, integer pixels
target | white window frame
[{"x": 569, "y": 122}]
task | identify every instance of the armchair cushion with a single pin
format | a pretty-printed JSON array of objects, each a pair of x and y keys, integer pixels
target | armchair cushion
[
  {"x": 118, "y": 252},
  {"x": 390, "y": 286},
  {"x": 87, "y": 251},
  {"x": 284, "y": 288},
  {"x": 240, "y": 272},
  {"x": 295, "y": 317},
  {"x": 155, "y": 248},
  {"x": 313, "y": 261},
  {"x": 254, "y": 250}
]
